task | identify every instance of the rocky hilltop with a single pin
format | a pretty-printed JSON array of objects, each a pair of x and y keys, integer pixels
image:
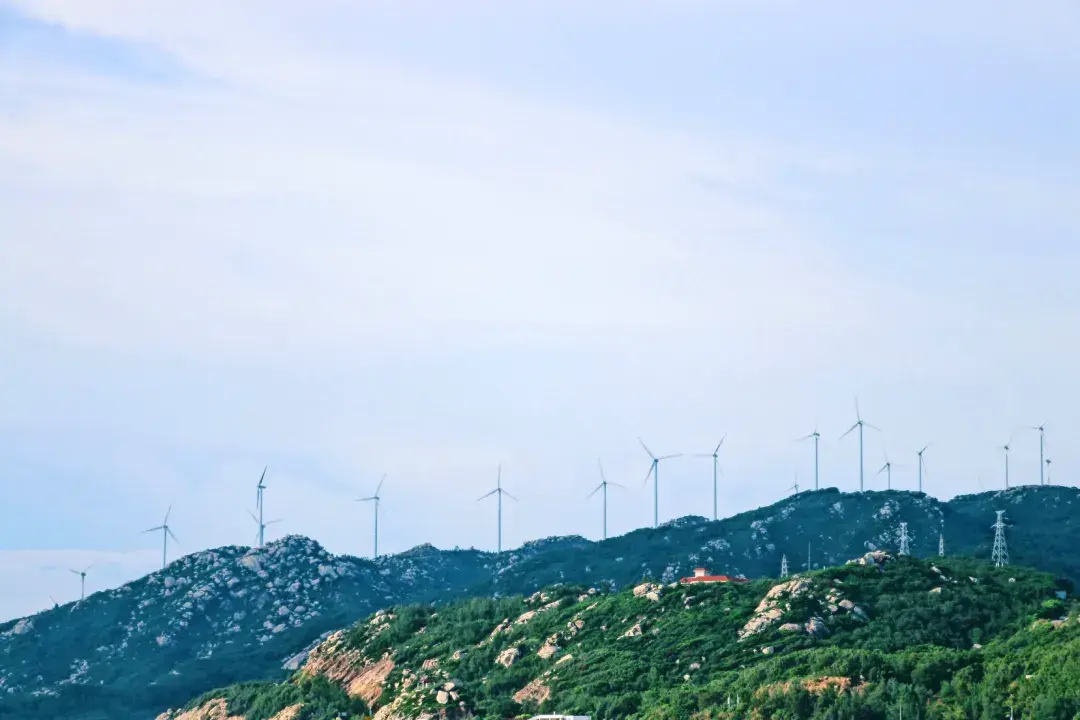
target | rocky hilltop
[
  {"x": 235, "y": 613},
  {"x": 855, "y": 639}
]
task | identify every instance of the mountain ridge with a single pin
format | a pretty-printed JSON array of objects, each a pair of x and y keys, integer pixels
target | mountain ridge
[{"x": 129, "y": 643}]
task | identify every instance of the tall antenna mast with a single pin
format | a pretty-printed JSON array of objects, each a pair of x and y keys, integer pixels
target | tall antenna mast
[
  {"x": 1006, "y": 449},
  {"x": 1000, "y": 554},
  {"x": 904, "y": 549},
  {"x": 783, "y": 567}
]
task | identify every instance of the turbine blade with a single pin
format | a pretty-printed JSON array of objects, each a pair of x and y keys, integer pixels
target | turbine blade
[
  {"x": 646, "y": 448},
  {"x": 719, "y": 444},
  {"x": 273, "y": 522},
  {"x": 648, "y": 475},
  {"x": 75, "y": 571},
  {"x": 263, "y": 476},
  {"x": 858, "y": 415},
  {"x": 367, "y": 499},
  {"x": 872, "y": 427},
  {"x": 668, "y": 457},
  {"x": 849, "y": 431},
  {"x": 486, "y": 496},
  {"x": 509, "y": 496},
  {"x": 598, "y": 489},
  {"x": 615, "y": 484},
  {"x": 883, "y": 468},
  {"x": 601, "y": 466},
  {"x": 155, "y": 529},
  {"x": 173, "y": 536},
  {"x": 167, "y": 513},
  {"x": 253, "y": 517},
  {"x": 380, "y": 485}
]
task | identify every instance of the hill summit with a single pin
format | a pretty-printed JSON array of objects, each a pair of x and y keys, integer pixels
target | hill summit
[{"x": 235, "y": 613}]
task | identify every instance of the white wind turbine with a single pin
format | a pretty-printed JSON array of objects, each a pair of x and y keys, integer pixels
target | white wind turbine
[
  {"x": 376, "y": 500},
  {"x": 166, "y": 532},
  {"x": 82, "y": 581},
  {"x": 603, "y": 486},
  {"x": 715, "y": 455},
  {"x": 860, "y": 423},
  {"x": 654, "y": 471},
  {"x": 498, "y": 492}
]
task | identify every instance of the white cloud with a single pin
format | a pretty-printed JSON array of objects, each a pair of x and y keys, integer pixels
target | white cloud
[{"x": 345, "y": 264}]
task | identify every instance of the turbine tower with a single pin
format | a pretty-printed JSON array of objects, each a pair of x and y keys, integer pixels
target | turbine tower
[
  {"x": 654, "y": 470},
  {"x": 816, "y": 437},
  {"x": 375, "y": 499},
  {"x": 498, "y": 492},
  {"x": 1042, "y": 452},
  {"x": 922, "y": 465},
  {"x": 1047, "y": 471},
  {"x": 603, "y": 487},
  {"x": 166, "y": 531},
  {"x": 259, "y": 506},
  {"x": 859, "y": 423},
  {"x": 887, "y": 469},
  {"x": 715, "y": 455},
  {"x": 261, "y": 532},
  {"x": 904, "y": 540},
  {"x": 1000, "y": 553},
  {"x": 82, "y": 581}
]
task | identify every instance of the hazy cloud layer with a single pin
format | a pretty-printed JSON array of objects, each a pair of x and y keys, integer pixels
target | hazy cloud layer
[{"x": 345, "y": 240}]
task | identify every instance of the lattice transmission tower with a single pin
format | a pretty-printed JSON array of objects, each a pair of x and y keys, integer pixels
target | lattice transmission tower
[
  {"x": 941, "y": 544},
  {"x": 904, "y": 549},
  {"x": 1000, "y": 555},
  {"x": 783, "y": 567}
]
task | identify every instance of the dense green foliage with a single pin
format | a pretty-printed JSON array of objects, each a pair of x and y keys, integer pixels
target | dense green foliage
[
  {"x": 41, "y": 675},
  {"x": 955, "y": 639}
]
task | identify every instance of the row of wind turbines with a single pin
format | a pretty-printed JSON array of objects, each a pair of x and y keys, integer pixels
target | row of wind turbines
[{"x": 653, "y": 473}]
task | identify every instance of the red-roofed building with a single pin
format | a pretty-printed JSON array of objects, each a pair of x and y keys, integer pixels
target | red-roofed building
[{"x": 701, "y": 575}]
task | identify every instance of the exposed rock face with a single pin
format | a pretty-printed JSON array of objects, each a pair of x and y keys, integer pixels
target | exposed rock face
[
  {"x": 790, "y": 627},
  {"x": 430, "y": 664},
  {"x": 213, "y": 710},
  {"x": 548, "y": 650},
  {"x": 635, "y": 631},
  {"x": 508, "y": 657},
  {"x": 649, "y": 590},
  {"x": 816, "y": 627},
  {"x": 876, "y": 557},
  {"x": 442, "y": 697},
  {"x": 768, "y": 610},
  {"x": 536, "y": 692},
  {"x": 360, "y": 677}
]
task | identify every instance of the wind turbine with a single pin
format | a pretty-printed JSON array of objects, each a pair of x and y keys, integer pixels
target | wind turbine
[
  {"x": 259, "y": 506},
  {"x": 1047, "y": 471},
  {"x": 795, "y": 487},
  {"x": 498, "y": 492},
  {"x": 1042, "y": 451},
  {"x": 165, "y": 533},
  {"x": 376, "y": 499},
  {"x": 715, "y": 455},
  {"x": 603, "y": 486},
  {"x": 922, "y": 465},
  {"x": 887, "y": 469},
  {"x": 82, "y": 581},
  {"x": 654, "y": 470},
  {"x": 859, "y": 423},
  {"x": 816, "y": 436},
  {"x": 261, "y": 532}
]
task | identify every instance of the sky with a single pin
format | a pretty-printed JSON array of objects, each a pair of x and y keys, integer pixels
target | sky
[{"x": 343, "y": 239}]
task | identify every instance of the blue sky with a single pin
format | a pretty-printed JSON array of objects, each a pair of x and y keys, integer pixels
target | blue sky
[{"x": 347, "y": 239}]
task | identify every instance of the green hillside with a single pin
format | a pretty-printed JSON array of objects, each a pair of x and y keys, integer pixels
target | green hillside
[
  {"x": 238, "y": 614},
  {"x": 954, "y": 638}
]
